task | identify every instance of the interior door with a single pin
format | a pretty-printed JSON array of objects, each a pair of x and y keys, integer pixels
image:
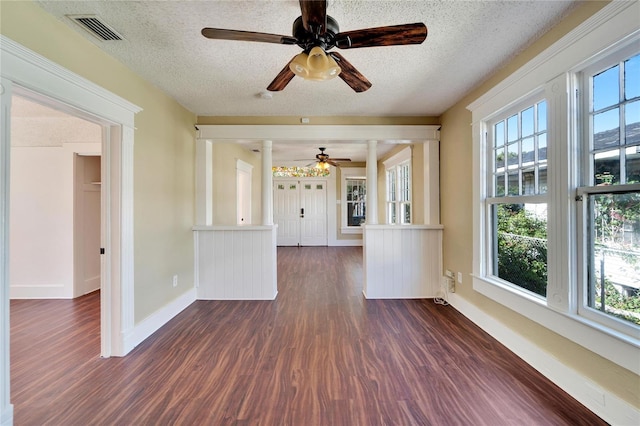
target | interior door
[
  {"x": 300, "y": 211},
  {"x": 286, "y": 212},
  {"x": 313, "y": 205}
]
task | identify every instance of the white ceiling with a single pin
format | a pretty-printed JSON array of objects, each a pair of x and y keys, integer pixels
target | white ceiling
[{"x": 467, "y": 41}]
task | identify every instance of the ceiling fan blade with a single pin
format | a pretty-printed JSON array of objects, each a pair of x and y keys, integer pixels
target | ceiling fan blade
[
  {"x": 222, "y": 34},
  {"x": 314, "y": 16},
  {"x": 282, "y": 79},
  {"x": 333, "y": 163},
  {"x": 382, "y": 36},
  {"x": 340, "y": 160},
  {"x": 350, "y": 74}
]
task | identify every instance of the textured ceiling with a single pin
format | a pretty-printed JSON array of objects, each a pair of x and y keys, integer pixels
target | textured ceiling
[{"x": 467, "y": 41}]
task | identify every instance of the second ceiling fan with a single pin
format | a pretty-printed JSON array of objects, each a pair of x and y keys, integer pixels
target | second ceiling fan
[{"x": 317, "y": 33}]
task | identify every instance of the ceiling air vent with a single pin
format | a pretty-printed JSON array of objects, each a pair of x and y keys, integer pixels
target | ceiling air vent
[{"x": 96, "y": 27}]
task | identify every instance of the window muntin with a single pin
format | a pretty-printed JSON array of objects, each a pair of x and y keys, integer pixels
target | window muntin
[
  {"x": 611, "y": 197},
  {"x": 517, "y": 206}
]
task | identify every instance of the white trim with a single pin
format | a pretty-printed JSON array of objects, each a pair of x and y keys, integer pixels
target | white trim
[
  {"x": 30, "y": 71},
  {"x": 159, "y": 318},
  {"x": 615, "y": 25},
  {"x": 400, "y": 157},
  {"x": 597, "y": 399},
  {"x": 296, "y": 133},
  {"x": 6, "y": 408},
  {"x": 349, "y": 173}
]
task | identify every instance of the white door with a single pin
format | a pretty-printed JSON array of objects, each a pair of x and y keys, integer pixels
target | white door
[
  {"x": 300, "y": 211},
  {"x": 313, "y": 220}
]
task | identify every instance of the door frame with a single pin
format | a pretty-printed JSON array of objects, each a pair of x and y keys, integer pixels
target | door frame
[{"x": 29, "y": 74}]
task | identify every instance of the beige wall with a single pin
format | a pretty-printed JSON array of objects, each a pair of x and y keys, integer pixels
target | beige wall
[
  {"x": 225, "y": 187},
  {"x": 456, "y": 214},
  {"x": 163, "y": 155}
]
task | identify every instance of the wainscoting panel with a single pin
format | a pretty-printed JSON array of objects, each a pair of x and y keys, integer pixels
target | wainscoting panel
[
  {"x": 236, "y": 262},
  {"x": 402, "y": 261}
]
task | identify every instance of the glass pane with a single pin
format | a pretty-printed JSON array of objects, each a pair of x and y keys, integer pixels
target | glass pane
[
  {"x": 527, "y": 122},
  {"x": 528, "y": 152},
  {"x": 499, "y": 134},
  {"x": 499, "y": 159},
  {"x": 406, "y": 212},
  {"x": 606, "y": 167},
  {"x": 392, "y": 213},
  {"x": 606, "y": 129},
  {"x": 633, "y": 164},
  {"x": 542, "y": 116},
  {"x": 614, "y": 252},
  {"x": 528, "y": 182},
  {"x": 542, "y": 147},
  {"x": 542, "y": 180},
  {"x": 512, "y": 128},
  {"x": 632, "y": 123},
  {"x": 307, "y": 186},
  {"x": 632, "y": 77},
  {"x": 520, "y": 236},
  {"x": 499, "y": 189},
  {"x": 514, "y": 183},
  {"x": 512, "y": 154},
  {"x": 606, "y": 88}
]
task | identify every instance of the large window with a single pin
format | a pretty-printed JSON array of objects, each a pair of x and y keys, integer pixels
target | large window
[
  {"x": 610, "y": 192},
  {"x": 557, "y": 199},
  {"x": 517, "y": 207}
]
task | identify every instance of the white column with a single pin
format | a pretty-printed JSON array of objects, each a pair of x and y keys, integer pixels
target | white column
[
  {"x": 204, "y": 182},
  {"x": 267, "y": 184},
  {"x": 431, "y": 164},
  {"x": 372, "y": 183}
]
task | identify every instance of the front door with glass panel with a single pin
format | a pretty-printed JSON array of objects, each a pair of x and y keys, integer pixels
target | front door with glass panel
[{"x": 300, "y": 211}]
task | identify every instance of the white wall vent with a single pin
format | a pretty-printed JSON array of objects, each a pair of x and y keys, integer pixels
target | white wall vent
[{"x": 96, "y": 27}]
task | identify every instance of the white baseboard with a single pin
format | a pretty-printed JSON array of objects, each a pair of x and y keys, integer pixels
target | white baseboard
[
  {"x": 6, "y": 419},
  {"x": 153, "y": 322},
  {"x": 345, "y": 243},
  {"x": 608, "y": 406},
  {"x": 54, "y": 291}
]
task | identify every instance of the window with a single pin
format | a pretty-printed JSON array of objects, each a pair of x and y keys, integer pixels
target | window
[
  {"x": 353, "y": 199},
  {"x": 610, "y": 191},
  {"x": 356, "y": 193},
  {"x": 398, "y": 171},
  {"x": 584, "y": 167},
  {"x": 517, "y": 207}
]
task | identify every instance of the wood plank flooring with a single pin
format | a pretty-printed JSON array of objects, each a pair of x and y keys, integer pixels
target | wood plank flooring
[{"x": 318, "y": 355}]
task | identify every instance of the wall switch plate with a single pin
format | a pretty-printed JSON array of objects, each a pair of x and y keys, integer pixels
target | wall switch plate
[
  {"x": 175, "y": 281},
  {"x": 460, "y": 277}
]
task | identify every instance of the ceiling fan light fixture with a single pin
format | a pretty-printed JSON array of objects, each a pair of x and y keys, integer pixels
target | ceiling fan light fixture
[{"x": 315, "y": 65}]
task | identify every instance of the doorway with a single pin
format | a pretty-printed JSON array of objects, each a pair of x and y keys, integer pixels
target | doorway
[{"x": 300, "y": 211}]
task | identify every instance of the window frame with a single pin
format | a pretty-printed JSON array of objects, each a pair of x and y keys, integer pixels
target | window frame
[
  {"x": 392, "y": 166},
  {"x": 612, "y": 28},
  {"x": 586, "y": 186},
  {"x": 349, "y": 173},
  {"x": 494, "y": 200}
]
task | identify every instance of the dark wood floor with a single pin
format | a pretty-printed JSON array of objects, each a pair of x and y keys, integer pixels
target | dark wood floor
[{"x": 318, "y": 355}]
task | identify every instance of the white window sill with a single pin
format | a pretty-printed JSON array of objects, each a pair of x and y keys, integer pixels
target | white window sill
[
  {"x": 617, "y": 347},
  {"x": 351, "y": 230}
]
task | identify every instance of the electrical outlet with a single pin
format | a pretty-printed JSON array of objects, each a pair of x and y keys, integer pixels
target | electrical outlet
[
  {"x": 175, "y": 281},
  {"x": 460, "y": 277}
]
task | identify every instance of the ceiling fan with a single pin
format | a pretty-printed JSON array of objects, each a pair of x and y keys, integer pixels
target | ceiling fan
[
  {"x": 323, "y": 160},
  {"x": 317, "y": 33}
]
